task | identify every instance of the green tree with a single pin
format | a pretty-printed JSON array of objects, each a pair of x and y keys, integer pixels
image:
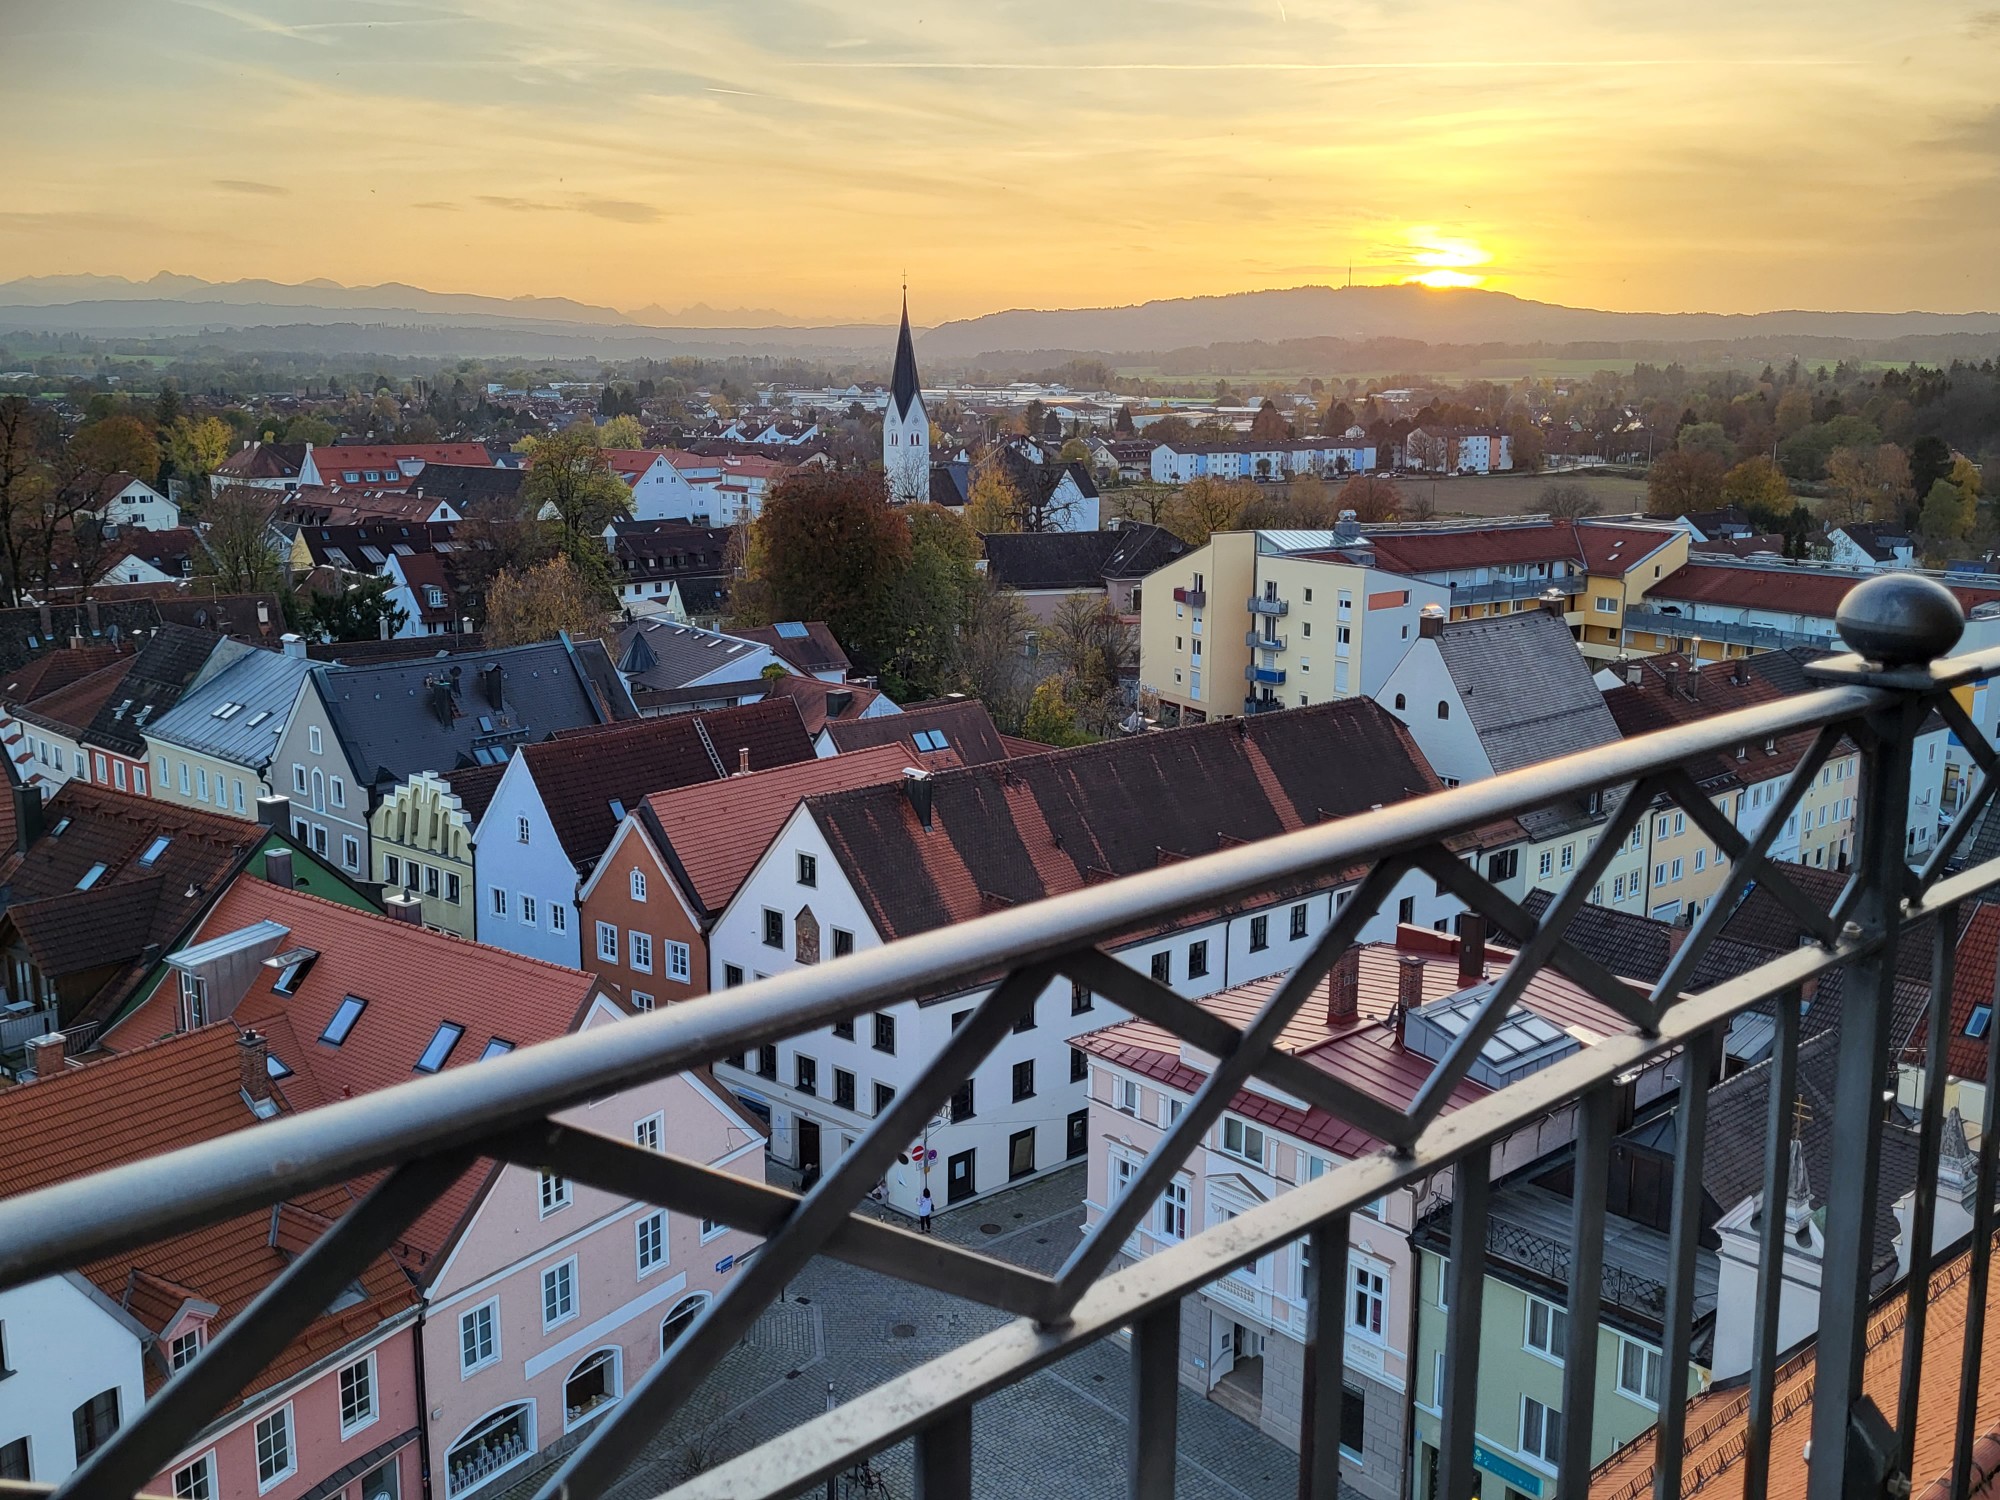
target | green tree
[
  {"x": 1948, "y": 515},
  {"x": 1706, "y": 437},
  {"x": 929, "y": 602},
  {"x": 569, "y": 483},
  {"x": 622, "y": 431},
  {"x": 357, "y": 613},
  {"x": 1050, "y": 719},
  {"x": 1930, "y": 461},
  {"x": 307, "y": 428},
  {"x": 120, "y": 444},
  {"x": 1094, "y": 647}
]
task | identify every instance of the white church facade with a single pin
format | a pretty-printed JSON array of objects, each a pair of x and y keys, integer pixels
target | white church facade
[{"x": 906, "y": 426}]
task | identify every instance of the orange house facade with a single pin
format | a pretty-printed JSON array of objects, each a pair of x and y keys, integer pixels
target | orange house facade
[{"x": 639, "y": 932}]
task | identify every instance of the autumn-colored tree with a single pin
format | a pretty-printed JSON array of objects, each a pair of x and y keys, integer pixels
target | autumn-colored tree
[
  {"x": 1074, "y": 451},
  {"x": 1371, "y": 497},
  {"x": 827, "y": 546},
  {"x": 1566, "y": 501},
  {"x": 1269, "y": 425},
  {"x": 27, "y": 442},
  {"x": 522, "y": 608},
  {"x": 1094, "y": 647},
  {"x": 993, "y": 506},
  {"x": 1947, "y": 517},
  {"x": 1965, "y": 475},
  {"x": 992, "y": 660},
  {"x": 1683, "y": 481},
  {"x": 1794, "y": 411},
  {"x": 1757, "y": 484},
  {"x": 569, "y": 483},
  {"x": 1203, "y": 507},
  {"x": 622, "y": 431},
  {"x": 196, "y": 448},
  {"x": 1050, "y": 718},
  {"x": 1868, "y": 483},
  {"x": 239, "y": 554},
  {"x": 120, "y": 444}
]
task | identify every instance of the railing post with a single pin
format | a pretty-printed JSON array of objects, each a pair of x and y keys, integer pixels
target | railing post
[
  {"x": 1319, "y": 1416},
  {"x": 1151, "y": 1434},
  {"x": 944, "y": 1457},
  {"x": 1471, "y": 1194}
]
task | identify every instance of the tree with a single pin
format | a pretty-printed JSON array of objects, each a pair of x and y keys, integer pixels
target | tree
[
  {"x": 1759, "y": 486},
  {"x": 622, "y": 431},
  {"x": 569, "y": 482},
  {"x": 1683, "y": 481},
  {"x": 363, "y": 611},
  {"x": 993, "y": 506},
  {"x": 1868, "y": 483},
  {"x": 1121, "y": 424},
  {"x": 828, "y": 547},
  {"x": 1706, "y": 437},
  {"x": 1338, "y": 417},
  {"x": 119, "y": 444},
  {"x": 196, "y": 448},
  {"x": 1794, "y": 411},
  {"x": 522, "y": 608},
  {"x": 1094, "y": 647},
  {"x": 239, "y": 555},
  {"x": 1930, "y": 461},
  {"x": 307, "y": 428},
  {"x": 1371, "y": 497},
  {"x": 992, "y": 658},
  {"x": 1074, "y": 451},
  {"x": 1050, "y": 719},
  {"x": 1206, "y": 506},
  {"x": 1269, "y": 425},
  {"x": 27, "y": 438},
  {"x": 1427, "y": 451},
  {"x": 1566, "y": 502},
  {"x": 1965, "y": 476},
  {"x": 929, "y": 601},
  {"x": 1948, "y": 515}
]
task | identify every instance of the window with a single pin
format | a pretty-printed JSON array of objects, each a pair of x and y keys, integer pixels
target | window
[
  {"x": 1162, "y": 967},
  {"x": 451, "y": 889},
  {"x": 1024, "y": 1080},
  {"x": 194, "y": 1001},
  {"x": 1174, "y": 1210},
  {"x": 1025, "y": 1023},
  {"x": 1368, "y": 1299},
  {"x": 275, "y": 1458},
  {"x": 298, "y": 777},
  {"x": 1638, "y": 1372},
  {"x": 1444, "y": 709},
  {"x": 499, "y": 902},
  {"x": 94, "y": 1422},
  {"x": 336, "y": 789},
  {"x": 1260, "y": 934},
  {"x": 885, "y": 1034},
  {"x": 607, "y": 942},
  {"x": 1198, "y": 959},
  {"x": 1541, "y": 1430},
  {"x": 1700, "y": 860},
  {"x": 558, "y": 915},
  {"x": 591, "y": 1386},
  {"x": 440, "y": 1047},
  {"x": 555, "y": 1193},
  {"x": 478, "y": 1337},
  {"x": 641, "y": 1001},
  {"x": 1123, "y": 1170},
  {"x": 181, "y": 1351},
  {"x": 1298, "y": 921},
  {"x": 1547, "y": 867},
  {"x": 805, "y": 1073},
  {"x": 1504, "y": 865},
  {"x": 1980, "y": 1019},
  {"x": 1242, "y": 1139},
  {"x": 963, "y": 1102},
  {"x": 313, "y": 742},
  {"x": 357, "y": 1395},
  {"x": 1125, "y": 1096},
  {"x": 343, "y": 1020},
  {"x": 648, "y": 1132},
  {"x": 1079, "y": 1065},
  {"x": 843, "y": 942},
  {"x": 1548, "y": 1329},
  {"x": 843, "y": 1088},
  {"x": 808, "y": 870},
  {"x": 1081, "y": 1001},
  {"x": 350, "y": 857},
  {"x": 679, "y": 961},
  {"x": 559, "y": 1294},
  {"x": 652, "y": 1236},
  {"x": 642, "y": 952},
  {"x": 844, "y": 1030},
  {"x": 498, "y": 1443},
  {"x": 1353, "y": 1418},
  {"x": 527, "y": 910},
  {"x": 1568, "y": 857},
  {"x": 521, "y": 829},
  {"x": 884, "y": 1097},
  {"x": 767, "y": 1062},
  {"x": 195, "y": 1482},
  {"x": 774, "y": 928}
]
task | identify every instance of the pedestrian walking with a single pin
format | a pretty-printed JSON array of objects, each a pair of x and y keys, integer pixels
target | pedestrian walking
[{"x": 924, "y": 1212}]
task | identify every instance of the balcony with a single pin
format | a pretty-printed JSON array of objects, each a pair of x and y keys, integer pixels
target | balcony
[
  {"x": 413, "y": 1142},
  {"x": 1674, "y": 627},
  {"x": 1265, "y": 676},
  {"x": 1275, "y": 607},
  {"x": 1193, "y": 598},
  {"x": 1255, "y": 705},
  {"x": 1258, "y": 642},
  {"x": 1503, "y": 590}
]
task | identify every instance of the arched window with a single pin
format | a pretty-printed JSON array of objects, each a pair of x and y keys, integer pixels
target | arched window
[
  {"x": 680, "y": 1320},
  {"x": 1401, "y": 702},
  {"x": 590, "y": 1387},
  {"x": 1444, "y": 709},
  {"x": 497, "y": 1442},
  {"x": 638, "y": 885}
]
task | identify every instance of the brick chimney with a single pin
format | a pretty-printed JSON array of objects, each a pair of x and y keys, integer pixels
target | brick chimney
[
  {"x": 1343, "y": 988},
  {"x": 45, "y": 1054},
  {"x": 1409, "y": 983},
  {"x": 742, "y": 760},
  {"x": 1471, "y": 949},
  {"x": 253, "y": 1068}
]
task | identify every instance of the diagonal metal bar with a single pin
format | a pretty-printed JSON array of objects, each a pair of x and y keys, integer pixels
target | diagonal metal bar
[
  {"x": 1148, "y": 999},
  {"x": 1750, "y": 859},
  {"x": 632, "y": 1171},
  {"x": 1697, "y": 1064},
  {"x": 1970, "y": 736},
  {"x": 660, "y": 1392},
  {"x": 1596, "y": 1119},
  {"x": 1976, "y": 802},
  {"x": 1565, "y": 957},
  {"x": 1924, "y": 1211},
  {"x": 1771, "y": 1238},
  {"x": 1979, "y": 1272},
  {"x": 260, "y": 1332},
  {"x": 1230, "y": 1073},
  {"x": 1527, "y": 962}
]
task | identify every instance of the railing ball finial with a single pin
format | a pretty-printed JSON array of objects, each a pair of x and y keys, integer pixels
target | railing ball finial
[{"x": 1900, "y": 620}]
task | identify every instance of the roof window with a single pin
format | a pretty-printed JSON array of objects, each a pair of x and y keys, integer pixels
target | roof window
[
  {"x": 227, "y": 711},
  {"x": 498, "y": 1047},
  {"x": 435, "y": 1054},
  {"x": 155, "y": 849},
  {"x": 292, "y": 966},
  {"x": 343, "y": 1020},
  {"x": 275, "y": 1066},
  {"x": 1979, "y": 1020},
  {"x": 57, "y": 831},
  {"x": 617, "y": 809},
  {"x": 90, "y": 877},
  {"x": 930, "y": 739},
  {"x": 257, "y": 718}
]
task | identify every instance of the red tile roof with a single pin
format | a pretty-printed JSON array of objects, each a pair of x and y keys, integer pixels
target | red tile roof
[
  {"x": 1474, "y": 547},
  {"x": 1794, "y": 591},
  {"x": 812, "y": 697},
  {"x": 1971, "y": 986},
  {"x": 72, "y": 707},
  {"x": 1614, "y": 549},
  {"x": 57, "y": 670},
  {"x": 339, "y": 458}
]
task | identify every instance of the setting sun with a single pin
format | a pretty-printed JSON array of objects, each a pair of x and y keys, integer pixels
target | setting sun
[{"x": 1446, "y": 258}]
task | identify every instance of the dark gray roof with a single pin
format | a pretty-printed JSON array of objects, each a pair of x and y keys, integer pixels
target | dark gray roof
[
  {"x": 1078, "y": 559},
  {"x": 903, "y": 387},
  {"x": 655, "y": 653},
  {"x": 951, "y": 483},
  {"x": 1630, "y": 946},
  {"x": 468, "y": 484},
  {"x": 391, "y": 716},
  {"x": 167, "y": 666}
]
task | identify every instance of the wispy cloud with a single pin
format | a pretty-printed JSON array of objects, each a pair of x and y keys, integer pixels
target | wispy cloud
[
  {"x": 246, "y": 185},
  {"x": 623, "y": 210}
]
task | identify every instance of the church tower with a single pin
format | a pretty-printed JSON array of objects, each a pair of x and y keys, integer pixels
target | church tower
[{"x": 906, "y": 427}]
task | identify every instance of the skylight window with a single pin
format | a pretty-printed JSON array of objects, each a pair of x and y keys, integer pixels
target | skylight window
[
  {"x": 90, "y": 877},
  {"x": 227, "y": 711},
  {"x": 291, "y": 965},
  {"x": 275, "y": 1066},
  {"x": 155, "y": 849},
  {"x": 498, "y": 1047},
  {"x": 343, "y": 1020},
  {"x": 440, "y": 1047},
  {"x": 57, "y": 831},
  {"x": 617, "y": 809},
  {"x": 257, "y": 718},
  {"x": 930, "y": 739},
  {"x": 1979, "y": 1020}
]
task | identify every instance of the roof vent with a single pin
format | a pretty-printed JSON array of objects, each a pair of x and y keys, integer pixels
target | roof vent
[{"x": 917, "y": 787}]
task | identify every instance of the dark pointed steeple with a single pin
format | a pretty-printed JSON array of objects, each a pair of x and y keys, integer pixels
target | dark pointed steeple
[{"x": 903, "y": 386}]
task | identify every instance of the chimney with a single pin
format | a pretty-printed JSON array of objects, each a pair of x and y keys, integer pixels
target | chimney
[
  {"x": 404, "y": 906},
  {"x": 1635, "y": 675},
  {"x": 1672, "y": 673},
  {"x": 1739, "y": 671},
  {"x": 492, "y": 677},
  {"x": 275, "y": 812},
  {"x": 253, "y": 1068},
  {"x": 917, "y": 787},
  {"x": 382, "y": 627},
  {"x": 1409, "y": 983},
  {"x": 27, "y": 816},
  {"x": 1430, "y": 622},
  {"x": 90, "y": 609},
  {"x": 742, "y": 760},
  {"x": 1556, "y": 602},
  {"x": 441, "y": 704},
  {"x": 295, "y": 645},
  {"x": 1471, "y": 949},
  {"x": 1343, "y": 988},
  {"x": 278, "y": 866},
  {"x": 45, "y": 1054},
  {"x": 838, "y": 702}
]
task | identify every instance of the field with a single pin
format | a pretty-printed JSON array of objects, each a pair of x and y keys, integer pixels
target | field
[{"x": 1514, "y": 494}]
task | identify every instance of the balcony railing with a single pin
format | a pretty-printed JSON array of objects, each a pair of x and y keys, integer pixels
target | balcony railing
[
  {"x": 1194, "y": 598},
  {"x": 1258, "y": 642},
  {"x": 1754, "y": 637},
  {"x": 1501, "y": 590},
  {"x": 423, "y": 1134},
  {"x": 1265, "y": 676},
  {"x": 1277, "y": 607}
]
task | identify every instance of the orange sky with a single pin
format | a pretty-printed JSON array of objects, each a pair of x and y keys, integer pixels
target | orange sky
[{"x": 800, "y": 155}]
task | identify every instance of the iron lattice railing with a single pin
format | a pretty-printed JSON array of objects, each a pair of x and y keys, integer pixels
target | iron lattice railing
[{"x": 425, "y": 1133}]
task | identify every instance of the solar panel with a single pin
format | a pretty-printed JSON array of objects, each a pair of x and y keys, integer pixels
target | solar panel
[{"x": 792, "y": 630}]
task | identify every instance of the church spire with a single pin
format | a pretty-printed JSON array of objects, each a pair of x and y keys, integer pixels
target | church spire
[{"x": 903, "y": 386}]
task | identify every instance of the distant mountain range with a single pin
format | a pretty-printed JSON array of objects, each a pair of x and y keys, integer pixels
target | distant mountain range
[{"x": 394, "y": 318}]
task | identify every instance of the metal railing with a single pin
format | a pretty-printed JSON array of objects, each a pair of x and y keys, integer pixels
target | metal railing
[
  {"x": 1674, "y": 628},
  {"x": 1549, "y": 1260},
  {"x": 1501, "y": 590},
  {"x": 424, "y": 1134}
]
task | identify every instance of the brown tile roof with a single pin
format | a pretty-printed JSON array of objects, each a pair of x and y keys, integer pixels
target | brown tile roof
[
  {"x": 71, "y": 708},
  {"x": 1972, "y": 986},
  {"x": 1611, "y": 550},
  {"x": 814, "y": 698},
  {"x": 178, "y": 1092},
  {"x": 57, "y": 670},
  {"x": 1718, "y": 688},
  {"x": 968, "y": 729},
  {"x": 580, "y": 774},
  {"x": 1474, "y": 547},
  {"x": 1796, "y": 590},
  {"x": 340, "y": 457},
  {"x": 814, "y": 652},
  {"x": 717, "y": 831}
]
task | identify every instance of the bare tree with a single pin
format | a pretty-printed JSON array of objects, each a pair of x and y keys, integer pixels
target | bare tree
[{"x": 1566, "y": 502}]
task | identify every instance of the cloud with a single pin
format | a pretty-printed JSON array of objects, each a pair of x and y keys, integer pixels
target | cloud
[
  {"x": 256, "y": 189},
  {"x": 437, "y": 207},
  {"x": 623, "y": 210}
]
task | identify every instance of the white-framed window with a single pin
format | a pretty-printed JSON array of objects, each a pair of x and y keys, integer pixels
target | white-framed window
[
  {"x": 350, "y": 852},
  {"x": 1547, "y": 1332},
  {"x": 528, "y": 910},
  {"x": 652, "y": 1236},
  {"x": 680, "y": 962},
  {"x": 1548, "y": 863},
  {"x": 650, "y": 1132},
  {"x": 642, "y": 951},
  {"x": 710, "y": 1228},
  {"x": 478, "y": 1337},
  {"x": 1123, "y": 1170},
  {"x": 358, "y": 1407},
  {"x": 641, "y": 1001},
  {"x": 638, "y": 885},
  {"x": 559, "y": 1293},
  {"x": 607, "y": 942},
  {"x": 313, "y": 742},
  {"x": 554, "y": 1193},
  {"x": 1174, "y": 1210},
  {"x": 1639, "y": 1371},
  {"x": 1541, "y": 1430},
  {"x": 1125, "y": 1096},
  {"x": 495, "y": 1444},
  {"x": 558, "y": 917},
  {"x": 499, "y": 902},
  {"x": 521, "y": 829},
  {"x": 277, "y": 1459},
  {"x": 336, "y": 790},
  {"x": 1368, "y": 1299},
  {"x": 181, "y": 1351},
  {"x": 196, "y": 1481},
  {"x": 1242, "y": 1140}
]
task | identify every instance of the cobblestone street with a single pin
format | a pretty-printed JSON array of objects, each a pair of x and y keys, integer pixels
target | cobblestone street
[{"x": 1059, "y": 1433}]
